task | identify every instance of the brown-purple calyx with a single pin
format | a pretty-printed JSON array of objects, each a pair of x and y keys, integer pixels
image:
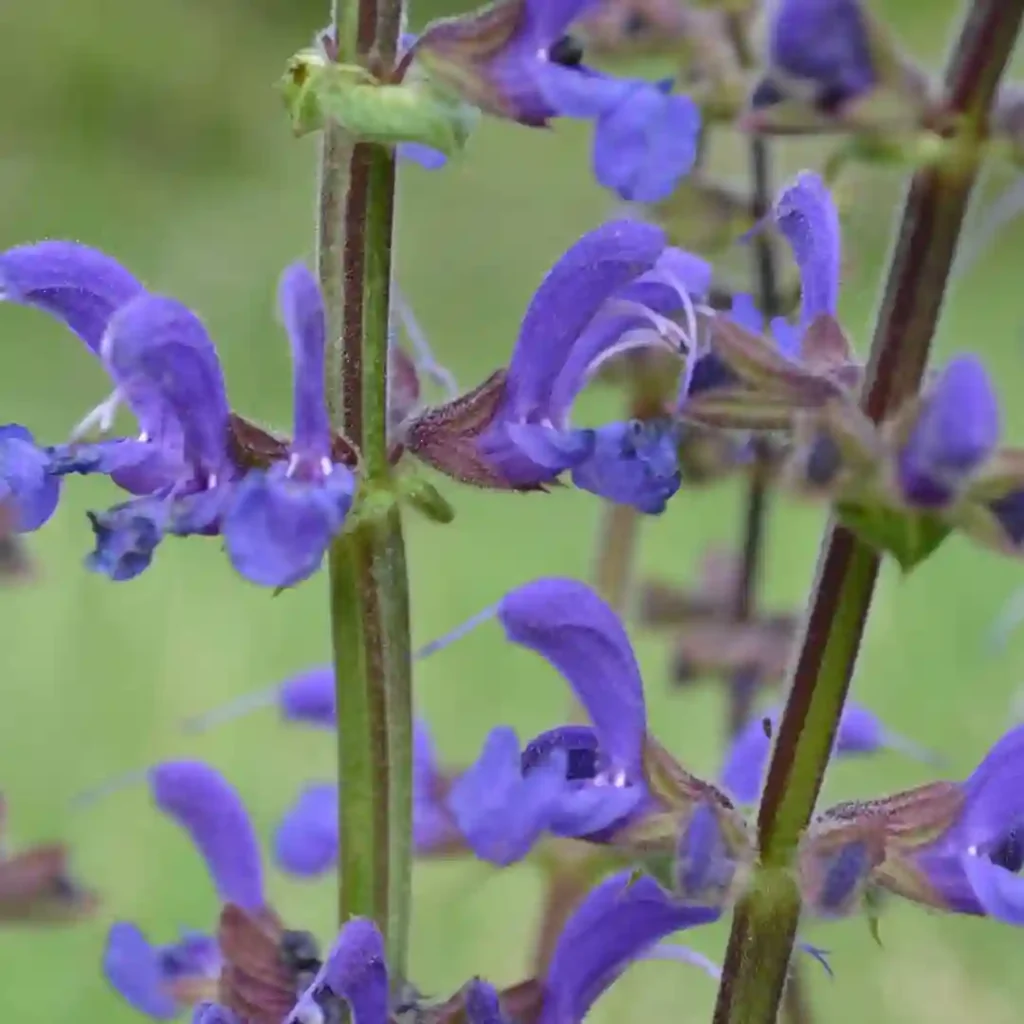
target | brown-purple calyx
[
  {"x": 254, "y": 447},
  {"x": 708, "y": 639},
  {"x": 37, "y": 887},
  {"x": 261, "y": 976},
  {"x": 446, "y": 437},
  {"x": 14, "y": 560}
]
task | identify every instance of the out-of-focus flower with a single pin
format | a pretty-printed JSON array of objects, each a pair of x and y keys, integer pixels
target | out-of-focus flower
[
  {"x": 831, "y": 63},
  {"x": 860, "y": 732},
  {"x": 161, "y": 980},
  {"x": 954, "y": 432},
  {"x": 306, "y": 841},
  {"x": 36, "y": 885},
  {"x": 25, "y": 481},
  {"x": 515, "y": 60}
]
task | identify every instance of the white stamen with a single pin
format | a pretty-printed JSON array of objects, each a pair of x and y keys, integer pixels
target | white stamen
[
  {"x": 681, "y": 954},
  {"x": 612, "y": 780},
  {"x": 100, "y": 419},
  {"x": 326, "y": 466}
]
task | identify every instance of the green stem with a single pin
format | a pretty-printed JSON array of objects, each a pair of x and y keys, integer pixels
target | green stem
[
  {"x": 369, "y": 582},
  {"x": 764, "y": 927}
]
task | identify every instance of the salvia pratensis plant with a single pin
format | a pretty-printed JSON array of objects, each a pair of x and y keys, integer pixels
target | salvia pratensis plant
[{"x": 724, "y": 373}]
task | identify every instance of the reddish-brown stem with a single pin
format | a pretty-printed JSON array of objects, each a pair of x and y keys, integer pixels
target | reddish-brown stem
[{"x": 765, "y": 924}]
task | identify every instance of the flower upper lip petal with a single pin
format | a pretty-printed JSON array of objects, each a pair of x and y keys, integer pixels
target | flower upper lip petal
[
  {"x": 200, "y": 800},
  {"x": 597, "y": 266},
  {"x": 160, "y": 341},
  {"x": 566, "y": 623}
]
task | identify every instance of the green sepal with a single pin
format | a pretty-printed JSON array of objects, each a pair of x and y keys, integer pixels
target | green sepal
[
  {"x": 872, "y": 903},
  {"x": 317, "y": 91},
  {"x": 910, "y": 537},
  {"x": 426, "y": 499}
]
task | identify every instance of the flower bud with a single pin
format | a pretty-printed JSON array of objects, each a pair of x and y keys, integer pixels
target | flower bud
[{"x": 317, "y": 91}]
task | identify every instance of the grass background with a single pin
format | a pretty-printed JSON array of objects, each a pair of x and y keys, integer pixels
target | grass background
[{"x": 151, "y": 131}]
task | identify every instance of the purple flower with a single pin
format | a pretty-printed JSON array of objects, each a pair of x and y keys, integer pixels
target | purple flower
[
  {"x": 575, "y": 780},
  {"x": 84, "y": 289},
  {"x": 306, "y": 840},
  {"x": 860, "y": 732},
  {"x": 956, "y": 430},
  {"x": 612, "y": 291},
  {"x": 160, "y": 342},
  {"x": 515, "y": 60},
  {"x": 281, "y": 521},
  {"x": 507, "y": 58},
  {"x": 621, "y": 921},
  {"x": 972, "y": 867},
  {"x": 806, "y": 216},
  {"x": 645, "y": 138},
  {"x": 159, "y": 980},
  {"x": 25, "y": 479},
  {"x": 823, "y": 43}
]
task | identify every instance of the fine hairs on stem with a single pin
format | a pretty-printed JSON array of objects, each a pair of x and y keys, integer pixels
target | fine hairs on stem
[{"x": 369, "y": 580}]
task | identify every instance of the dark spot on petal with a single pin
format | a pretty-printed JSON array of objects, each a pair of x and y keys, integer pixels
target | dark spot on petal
[
  {"x": 1009, "y": 852},
  {"x": 567, "y": 51},
  {"x": 766, "y": 727},
  {"x": 579, "y": 742}
]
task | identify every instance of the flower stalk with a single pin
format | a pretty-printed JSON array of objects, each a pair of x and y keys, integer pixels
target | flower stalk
[
  {"x": 764, "y": 927},
  {"x": 368, "y": 577}
]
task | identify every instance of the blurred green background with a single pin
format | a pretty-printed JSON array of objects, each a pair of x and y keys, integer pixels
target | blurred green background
[{"x": 151, "y": 130}]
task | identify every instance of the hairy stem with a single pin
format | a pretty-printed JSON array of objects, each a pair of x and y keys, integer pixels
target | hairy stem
[
  {"x": 369, "y": 583},
  {"x": 763, "y": 932}
]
